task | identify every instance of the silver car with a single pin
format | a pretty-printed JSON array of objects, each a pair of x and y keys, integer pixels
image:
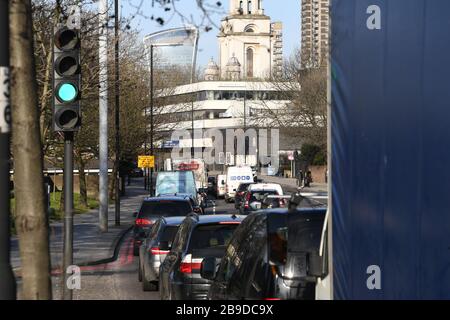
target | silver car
[{"x": 154, "y": 249}]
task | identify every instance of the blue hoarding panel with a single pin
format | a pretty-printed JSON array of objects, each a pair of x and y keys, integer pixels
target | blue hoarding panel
[{"x": 391, "y": 149}]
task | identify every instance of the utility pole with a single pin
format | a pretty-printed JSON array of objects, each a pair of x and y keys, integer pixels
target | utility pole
[
  {"x": 117, "y": 103},
  {"x": 103, "y": 115},
  {"x": 7, "y": 280},
  {"x": 194, "y": 66},
  {"x": 150, "y": 186}
]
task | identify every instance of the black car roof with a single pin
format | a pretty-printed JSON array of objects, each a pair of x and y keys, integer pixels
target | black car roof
[
  {"x": 168, "y": 197},
  {"x": 319, "y": 210},
  {"x": 216, "y": 218}
]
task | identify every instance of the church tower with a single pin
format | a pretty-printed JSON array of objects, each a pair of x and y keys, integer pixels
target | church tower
[{"x": 248, "y": 36}]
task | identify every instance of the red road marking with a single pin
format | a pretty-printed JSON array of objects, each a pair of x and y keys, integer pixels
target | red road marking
[{"x": 126, "y": 257}]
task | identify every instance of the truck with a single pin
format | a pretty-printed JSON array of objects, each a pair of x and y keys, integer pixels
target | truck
[
  {"x": 197, "y": 166},
  {"x": 388, "y": 224}
]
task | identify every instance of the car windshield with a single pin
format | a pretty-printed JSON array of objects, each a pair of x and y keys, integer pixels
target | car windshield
[
  {"x": 165, "y": 208},
  {"x": 211, "y": 235},
  {"x": 259, "y": 195}
]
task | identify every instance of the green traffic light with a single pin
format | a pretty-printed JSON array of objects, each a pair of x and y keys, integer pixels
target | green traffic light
[{"x": 67, "y": 92}]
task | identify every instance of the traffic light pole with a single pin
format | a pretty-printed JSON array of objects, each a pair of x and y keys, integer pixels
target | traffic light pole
[
  {"x": 68, "y": 211},
  {"x": 7, "y": 280}
]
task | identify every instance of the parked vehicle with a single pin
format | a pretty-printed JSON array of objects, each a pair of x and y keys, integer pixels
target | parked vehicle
[
  {"x": 221, "y": 185},
  {"x": 197, "y": 237},
  {"x": 235, "y": 176},
  {"x": 273, "y": 255},
  {"x": 255, "y": 195},
  {"x": 154, "y": 249},
  {"x": 154, "y": 208},
  {"x": 240, "y": 193}
]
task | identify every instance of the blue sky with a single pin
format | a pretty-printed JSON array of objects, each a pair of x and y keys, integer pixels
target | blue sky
[{"x": 289, "y": 14}]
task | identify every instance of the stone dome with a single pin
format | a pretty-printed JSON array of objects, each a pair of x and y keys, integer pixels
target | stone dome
[
  {"x": 233, "y": 62},
  {"x": 212, "y": 71}
]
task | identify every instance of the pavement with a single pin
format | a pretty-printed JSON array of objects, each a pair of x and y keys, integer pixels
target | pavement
[{"x": 90, "y": 245}]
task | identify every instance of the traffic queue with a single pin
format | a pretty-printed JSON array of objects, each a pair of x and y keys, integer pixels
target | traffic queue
[{"x": 269, "y": 248}]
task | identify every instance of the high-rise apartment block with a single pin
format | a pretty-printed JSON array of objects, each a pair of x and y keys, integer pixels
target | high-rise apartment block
[{"x": 315, "y": 28}]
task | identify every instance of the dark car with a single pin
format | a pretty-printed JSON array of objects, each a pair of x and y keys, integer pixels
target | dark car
[
  {"x": 136, "y": 173},
  {"x": 273, "y": 255},
  {"x": 240, "y": 193},
  {"x": 154, "y": 250},
  {"x": 197, "y": 207},
  {"x": 154, "y": 208},
  {"x": 197, "y": 237}
]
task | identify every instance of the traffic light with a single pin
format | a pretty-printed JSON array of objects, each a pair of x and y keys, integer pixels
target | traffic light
[{"x": 66, "y": 80}]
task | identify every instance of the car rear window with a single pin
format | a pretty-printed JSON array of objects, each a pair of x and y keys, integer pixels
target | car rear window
[
  {"x": 165, "y": 208},
  {"x": 243, "y": 186},
  {"x": 211, "y": 235},
  {"x": 259, "y": 195},
  {"x": 301, "y": 233},
  {"x": 168, "y": 234}
]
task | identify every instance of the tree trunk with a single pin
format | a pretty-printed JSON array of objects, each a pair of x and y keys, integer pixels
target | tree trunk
[
  {"x": 82, "y": 180},
  {"x": 31, "y": 217}
]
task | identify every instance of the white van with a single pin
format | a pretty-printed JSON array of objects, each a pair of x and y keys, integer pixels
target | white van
[
  {"x": 221, "y": 185},
  {"x": 236, "y": 176}
]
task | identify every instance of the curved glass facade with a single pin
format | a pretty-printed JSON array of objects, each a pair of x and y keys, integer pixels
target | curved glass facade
[{"x": 173, "y": 47}]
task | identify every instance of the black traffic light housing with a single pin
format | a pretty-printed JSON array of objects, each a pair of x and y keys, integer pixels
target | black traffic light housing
[{"x": 66, "y": 80}]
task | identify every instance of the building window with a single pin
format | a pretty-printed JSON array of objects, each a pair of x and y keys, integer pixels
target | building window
[
  {"x": 249, "y": 7},
  {"x": 250, "y": 63},
  {"x": 241, "y": 7}
]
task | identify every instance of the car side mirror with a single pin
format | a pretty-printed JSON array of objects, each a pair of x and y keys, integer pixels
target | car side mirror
[
  {"x": 208, "y": 268},
  {"x": 164, "y": 245}
]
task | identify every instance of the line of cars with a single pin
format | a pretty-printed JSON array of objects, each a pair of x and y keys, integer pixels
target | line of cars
[{"x": 265, "y": 254}]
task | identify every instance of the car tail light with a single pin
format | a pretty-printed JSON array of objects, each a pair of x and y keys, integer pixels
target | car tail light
[
  {"x": 143, "y": 222},
  {"x": 247, "y": 200},
  {"x": 271, "y": 299},
  {"x": 156, "y": 251},
  {"x": 188, "y": 264}
]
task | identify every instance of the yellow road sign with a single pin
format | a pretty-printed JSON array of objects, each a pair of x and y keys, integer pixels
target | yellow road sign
[{"x": 146, "y": 161}]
